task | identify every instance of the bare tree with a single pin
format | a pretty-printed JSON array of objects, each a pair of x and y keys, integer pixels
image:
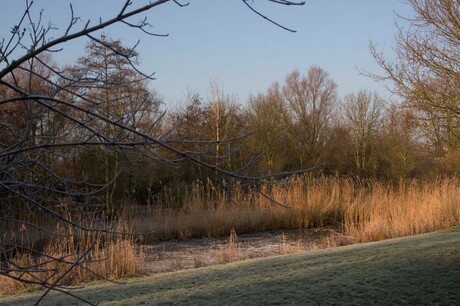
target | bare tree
[
  {"x": 47, "y": 118},
  {"x": 215, "y": 121},
  {"x": 426, "y": 71},
  {"x": 399, "y": 148},
  {"x": 268, "y": 119},
  {"x": 116, "y": 91},
  {"x": 310, "y": 100},
  {"x": 362, "y": 114},
  {"x": 222, "y": 113}
]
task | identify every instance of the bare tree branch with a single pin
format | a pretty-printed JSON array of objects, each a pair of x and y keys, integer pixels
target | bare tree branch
[{"x": 49, "y": 116}]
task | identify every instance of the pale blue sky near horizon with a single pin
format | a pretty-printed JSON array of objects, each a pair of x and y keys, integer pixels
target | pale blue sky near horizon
[{"x": 223, "y": 40}]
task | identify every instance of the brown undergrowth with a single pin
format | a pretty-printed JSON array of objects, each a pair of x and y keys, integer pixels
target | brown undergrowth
[
  {"x": 100, "y": 255},
  {"x": 366, "y": 210}
]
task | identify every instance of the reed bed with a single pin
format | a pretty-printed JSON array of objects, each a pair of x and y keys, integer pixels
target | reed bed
[
  {"x": 100, "y": 255},
  {"x": 366, "y": 210}
]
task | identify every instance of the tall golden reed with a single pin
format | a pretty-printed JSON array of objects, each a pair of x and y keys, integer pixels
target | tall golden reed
[
  {"x": 110, "y": 256},
  {"x": 366, "y": 210}
]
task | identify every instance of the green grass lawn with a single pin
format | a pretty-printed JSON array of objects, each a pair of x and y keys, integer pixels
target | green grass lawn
[{"x": 418, "y": 270}]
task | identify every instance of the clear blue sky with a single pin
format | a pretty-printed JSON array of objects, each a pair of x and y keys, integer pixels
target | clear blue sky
[{"x": 223, "y": 40}]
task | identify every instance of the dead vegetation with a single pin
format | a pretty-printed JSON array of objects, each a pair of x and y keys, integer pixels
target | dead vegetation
[
  {"x": 366, "y": 210},
  {"x": 95, "y": 255},
  {"x": 324, "y": 212},
  {"x": 174, "y": 255}
]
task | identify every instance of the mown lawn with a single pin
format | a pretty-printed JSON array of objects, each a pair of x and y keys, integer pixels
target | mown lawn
[{"x": 418, "y": 270}]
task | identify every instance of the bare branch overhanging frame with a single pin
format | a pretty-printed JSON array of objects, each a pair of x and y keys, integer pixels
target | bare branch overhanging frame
[{"x": 22, "y": 154}]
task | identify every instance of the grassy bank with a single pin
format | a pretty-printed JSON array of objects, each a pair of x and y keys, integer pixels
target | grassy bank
[{"x": 418, "y": 270}]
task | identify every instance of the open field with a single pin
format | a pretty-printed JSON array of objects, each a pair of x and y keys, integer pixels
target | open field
[{"x": 423, "y": 270}]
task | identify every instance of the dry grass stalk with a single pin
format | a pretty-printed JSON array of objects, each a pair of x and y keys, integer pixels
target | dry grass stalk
[
  {"x": 111, "y": 257},
  {"x": 286, "y": 247},
  {"x": 365, "y": 210},
  {"x": 411, "y": 208},
  {"x": 232, "y": 251}
]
